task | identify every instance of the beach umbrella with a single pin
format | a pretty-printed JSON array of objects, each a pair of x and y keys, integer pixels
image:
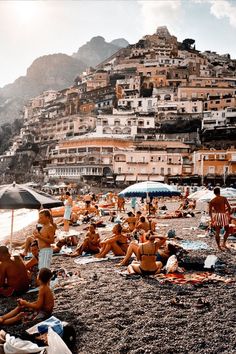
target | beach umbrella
[
  {"x": 15, "y": 196},
  {"x": 198, "y": 194},
  {"x": 149, "y": 189},
  {"x": 229, "y": 193}
]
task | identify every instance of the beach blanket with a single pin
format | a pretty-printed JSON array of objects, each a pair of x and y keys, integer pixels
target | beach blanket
[
  {"x": 194, "y": 245},
  {"x": 91, "y": 259},
  {"x": 192, "y": 278}
]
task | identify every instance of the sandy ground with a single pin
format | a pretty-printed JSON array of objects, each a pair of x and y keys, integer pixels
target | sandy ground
[{"x": 138, "y": 315}]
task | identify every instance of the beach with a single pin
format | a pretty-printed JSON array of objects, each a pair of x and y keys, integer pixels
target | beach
[{"x": 113, "y": 314}]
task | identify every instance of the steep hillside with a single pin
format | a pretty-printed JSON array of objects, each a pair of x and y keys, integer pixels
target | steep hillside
[
  {"x": 55, "y": 71},
  {"x": 97, "y": 50}
]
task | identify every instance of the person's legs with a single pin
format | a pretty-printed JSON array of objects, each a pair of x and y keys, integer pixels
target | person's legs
[
  {"x": 133, "y": 248},
  {"x": 117, "y": 250},
  {"x": 226, "y": 235},
  {"x": 217, "y": 236},
  {"x": 66, "y": 225},
  {"x": 106, "y": 247},
  {"x": 134, "y": 268},
  {"x": 10, "y": 315}
]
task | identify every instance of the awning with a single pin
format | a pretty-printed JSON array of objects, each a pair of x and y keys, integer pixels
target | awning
[
  {"x": 131, "y": 178},
  {"x": 120, "y": 178},
  {"x": 143, "y": 178},
  {"x": 156, "y": 178}
]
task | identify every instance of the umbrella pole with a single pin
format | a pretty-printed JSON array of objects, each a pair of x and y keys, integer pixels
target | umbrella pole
[{"x": 12, "y": 222}]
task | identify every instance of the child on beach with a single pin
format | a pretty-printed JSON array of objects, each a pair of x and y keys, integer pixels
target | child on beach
[{"x": 40, "y": 309}]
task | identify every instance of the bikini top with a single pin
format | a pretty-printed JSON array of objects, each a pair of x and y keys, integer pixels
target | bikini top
[{"x": 149, "y": 254}]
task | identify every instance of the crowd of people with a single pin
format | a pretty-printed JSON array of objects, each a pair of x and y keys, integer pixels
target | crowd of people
[{"x": 133, "y": 234}]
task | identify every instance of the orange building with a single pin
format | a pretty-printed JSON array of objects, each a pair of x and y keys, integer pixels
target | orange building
[{"x": 215, "y": 165}]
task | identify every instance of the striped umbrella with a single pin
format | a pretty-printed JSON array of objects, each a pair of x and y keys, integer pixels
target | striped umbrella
[{"x": 149, "y": 189}]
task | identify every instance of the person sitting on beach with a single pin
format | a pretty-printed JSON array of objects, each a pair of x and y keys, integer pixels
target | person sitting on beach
[
  {"x": 131, "y": 221},
  {"x": 45, "y": 239},
  {"x": 32, "y": 264},
  {"x": 40, "y": 309},
  {"x": 13, "y": 274},
  {"x": 91, "y": 243},
  {"x": 143, "y": 224},
  {"x": 146, "y": 254},
  {"x": 162, "y": 254},
  {"x": 117, "y": 243}
]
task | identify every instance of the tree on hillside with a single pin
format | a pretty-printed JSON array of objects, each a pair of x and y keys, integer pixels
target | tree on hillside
[{"x": 188, "y": 44}]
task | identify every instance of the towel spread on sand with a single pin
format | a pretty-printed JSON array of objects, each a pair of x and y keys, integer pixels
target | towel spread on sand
[
  {"x": 194, "y": 245},
  {"x": 192, "y": 278},
  {"x": 91, "y": 259}
]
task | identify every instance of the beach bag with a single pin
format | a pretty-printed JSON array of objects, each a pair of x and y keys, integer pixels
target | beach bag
[
  {"x": 171, "y": 233},
  {"x": 172, "y": 264},
  {"x": 18, "y": 346},
  {"x": 55, "y": 344},
  {"x": 69, "y": 335}
]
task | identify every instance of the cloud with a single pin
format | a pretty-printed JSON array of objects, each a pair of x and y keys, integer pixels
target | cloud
[
  {"x": 160, "y": 13},
  {"x": 223, "y": 8}
]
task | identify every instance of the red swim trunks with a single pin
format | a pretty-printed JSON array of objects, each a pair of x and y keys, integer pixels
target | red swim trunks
[{"x": 220, "y": 219}]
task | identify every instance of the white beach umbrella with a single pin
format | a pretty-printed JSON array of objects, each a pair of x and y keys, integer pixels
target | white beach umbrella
[{"x": 229, "y": 193}]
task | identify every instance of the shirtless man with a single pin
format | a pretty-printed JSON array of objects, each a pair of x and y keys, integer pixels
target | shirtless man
[
  {"x": 91, "y": 243},
  {"x": 45, "y": 238},
  {"x": 219, "y": 211},
  {"x": 13, "y": 274}
]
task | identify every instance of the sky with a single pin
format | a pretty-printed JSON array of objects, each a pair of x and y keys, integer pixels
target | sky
[{"x": 29, "y": 29}]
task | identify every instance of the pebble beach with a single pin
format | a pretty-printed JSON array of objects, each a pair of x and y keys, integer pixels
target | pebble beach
[{"x": 118, "y": 314}]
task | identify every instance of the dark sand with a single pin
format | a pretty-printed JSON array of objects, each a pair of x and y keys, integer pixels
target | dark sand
[{"x": 117, "y": 315}]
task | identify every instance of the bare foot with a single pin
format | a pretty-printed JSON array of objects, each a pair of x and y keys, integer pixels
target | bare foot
[{"x": 225, "y": 246}]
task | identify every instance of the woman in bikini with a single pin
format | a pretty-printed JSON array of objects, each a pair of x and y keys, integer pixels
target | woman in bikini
[
  {"x": 147, "y": 253},
  {"x": 118, "y": 243}
]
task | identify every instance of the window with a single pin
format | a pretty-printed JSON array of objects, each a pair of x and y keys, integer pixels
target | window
[
  {"x": 154, "y": 170},
  {"x": 162, "y": 171},
  {"x": 211, "y": 169},
  {"x": 119, "y": 169},
  {"x": 169, "y": 171}
]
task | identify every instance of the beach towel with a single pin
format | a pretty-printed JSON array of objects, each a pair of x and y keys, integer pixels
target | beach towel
[
  {"x": 91, "y": 259},
  {"x": 194, "y": 245},
  {"x": 191, "y": 278}
]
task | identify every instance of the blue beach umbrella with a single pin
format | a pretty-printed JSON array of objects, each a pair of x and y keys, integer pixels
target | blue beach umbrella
[{"x": 149, "y": 189}]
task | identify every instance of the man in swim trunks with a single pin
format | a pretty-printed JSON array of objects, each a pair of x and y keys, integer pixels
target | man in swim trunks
[
  {"x": 219, "y": 211},
  {"x": 45, "y": 238}
]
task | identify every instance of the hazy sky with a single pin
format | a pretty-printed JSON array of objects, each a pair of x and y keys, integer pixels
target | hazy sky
[{"x": 29, "y": 29}]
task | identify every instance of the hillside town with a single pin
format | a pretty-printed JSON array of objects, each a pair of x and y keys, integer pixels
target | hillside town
[{"x": 157, "y": 110}]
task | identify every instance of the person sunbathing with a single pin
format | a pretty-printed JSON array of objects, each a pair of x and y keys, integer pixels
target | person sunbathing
[
  {"x": 143, "y": 224},
  {"x": 147, "y": 253},
  {"x": 162, "y": 254},
  {"x": 131, "y": 221},
  {"x": 13, "y": 274},
  {"x": 117, "y": 243},
  {"x": 32, "y": 264},
  {"x": 40, "y": 309},
  {"x": 90, "y": 244}
]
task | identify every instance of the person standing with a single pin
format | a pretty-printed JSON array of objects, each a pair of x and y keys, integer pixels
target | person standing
[
  {"x": 68, "y": 210},
  {"x": 219, "y": 211},
  {"x": 45, "y": 238}
]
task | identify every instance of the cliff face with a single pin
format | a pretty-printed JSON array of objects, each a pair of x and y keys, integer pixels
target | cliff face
[
  {"x": 55, "y": 71},
  {"x": 97, "y": 49}
]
